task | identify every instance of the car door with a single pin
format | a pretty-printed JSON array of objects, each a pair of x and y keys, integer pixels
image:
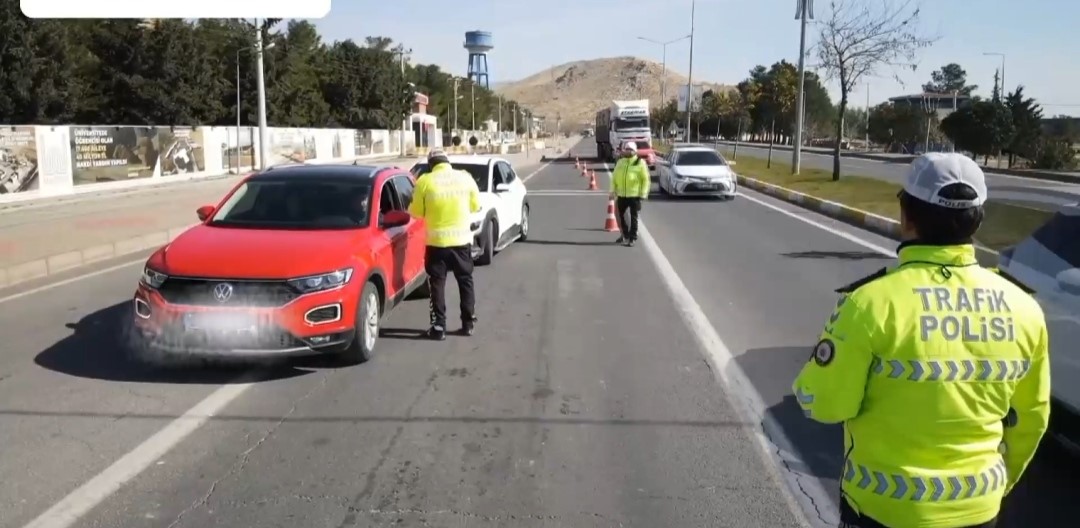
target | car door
[
  {"x": 393, "y": 255},
  {"x": 509, "y": 203},
  {"x": 416, "y": 232},
  {"x": 669, "y": 170}
]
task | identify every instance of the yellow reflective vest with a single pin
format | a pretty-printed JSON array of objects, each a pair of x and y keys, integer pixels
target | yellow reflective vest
[
  {"x": 445, "y": 198},
  {"x": 630, "y": 179},
  {"x": 938, "y": 370}
]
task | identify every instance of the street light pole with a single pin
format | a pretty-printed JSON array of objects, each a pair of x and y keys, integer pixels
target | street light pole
[
  {"x": 663, "y": 65},
  {"x": 262, "y": 95},
  {"x": 1002, "y": 55},
  {"x": 456, "y": 79},
  {"x": 804, "y": 11},
  {"x": 690, "y": 73},
  {"x": 238, "y": 50},
  {"x": 472, "y": 104}
]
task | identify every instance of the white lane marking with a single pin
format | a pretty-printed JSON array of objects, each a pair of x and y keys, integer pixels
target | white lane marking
[
  {"x": 740, "y": 391},
  {"x": 79, "y": 502},
  {"x": 537, "y": 171},
  {"x": 842, "y": 234},
  {"x": 46, "y": 287}
]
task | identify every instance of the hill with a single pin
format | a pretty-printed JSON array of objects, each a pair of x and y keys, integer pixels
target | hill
[{"x": 577, "y": 90}]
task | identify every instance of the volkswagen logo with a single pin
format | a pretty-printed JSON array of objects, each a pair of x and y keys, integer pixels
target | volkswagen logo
[{"x": 223, "y": 292}]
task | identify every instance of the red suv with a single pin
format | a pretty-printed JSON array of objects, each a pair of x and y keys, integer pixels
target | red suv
[{"x": 295, "y": 260}]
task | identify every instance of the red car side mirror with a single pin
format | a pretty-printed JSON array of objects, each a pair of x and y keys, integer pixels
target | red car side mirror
[{"x": 204, "y": 212}]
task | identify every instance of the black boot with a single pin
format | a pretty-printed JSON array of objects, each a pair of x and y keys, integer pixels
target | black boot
[
  {"x": 468, "y": 326},
  {"x": 436, "y": 333}
]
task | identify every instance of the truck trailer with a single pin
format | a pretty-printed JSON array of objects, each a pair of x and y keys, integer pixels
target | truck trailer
[{"x": 624, "y": 121}]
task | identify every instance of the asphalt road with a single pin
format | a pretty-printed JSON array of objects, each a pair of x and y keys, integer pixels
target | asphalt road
[
  {"x": 1002, "y": 186},
  {"x": 586, "y": 398}
]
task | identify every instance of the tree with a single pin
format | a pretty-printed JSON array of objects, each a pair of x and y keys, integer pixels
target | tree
[
  {"x": 896, "y": 125},
  {"x": 175, "y": 72},
  {"x": 1027, "y": 125},
  {"x": 856, "y": 40},
  {"x": 983, "y": 128},
  {"x": 950, "y": 78}
]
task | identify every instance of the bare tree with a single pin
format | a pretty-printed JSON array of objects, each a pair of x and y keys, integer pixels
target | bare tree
[{"x": 858, "y": 38}]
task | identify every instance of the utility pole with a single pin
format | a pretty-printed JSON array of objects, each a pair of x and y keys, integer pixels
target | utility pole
[
  {"x": 456, "y": 79},
  {"x": 472, "y": 105},
  {"x": 690, "y": 73},
  {"x": 261, "y": 80},
  {"x": 803, "y": 12},
  {"x": 404, "y": 118},
  {"x": 1002, "y": 55},
  {"x": 501, "y": 131},
  {"x": 867, "y": 117}
]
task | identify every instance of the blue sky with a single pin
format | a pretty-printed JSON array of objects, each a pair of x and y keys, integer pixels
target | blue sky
[{"x": 1039, "y": 37}]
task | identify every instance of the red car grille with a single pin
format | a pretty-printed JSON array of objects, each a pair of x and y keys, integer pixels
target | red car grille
[{"x": 200, "y": 292}]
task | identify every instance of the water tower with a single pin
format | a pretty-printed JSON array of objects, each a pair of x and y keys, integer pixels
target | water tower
[{"x": 478, "y": 43}]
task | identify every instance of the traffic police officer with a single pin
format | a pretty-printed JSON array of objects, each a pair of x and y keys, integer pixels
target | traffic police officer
[
  {"x": 630, "y": 184},
  {"x": 445, "y": 198},
  {"x": 936, "y": 366}
]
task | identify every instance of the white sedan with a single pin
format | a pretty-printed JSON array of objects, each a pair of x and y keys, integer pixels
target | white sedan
[
  {"x": 694, "y": 170},
  {"x": 504, "y": 215}
]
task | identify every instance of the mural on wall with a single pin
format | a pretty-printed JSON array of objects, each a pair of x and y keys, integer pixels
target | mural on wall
[
  {"x": 183, "y": 150},
  {"x": 246, "y": 146},
  {"x": 291, "y": 145},
  {"x": 106, "y": 153},
  {"x": 363, "y": 142},
  {"x": 18, "y": 159}
]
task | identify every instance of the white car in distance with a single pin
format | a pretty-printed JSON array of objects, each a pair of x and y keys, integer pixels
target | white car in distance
[
  {"x": 504, "y": 203},
  {"x": 696, "y": 170}
]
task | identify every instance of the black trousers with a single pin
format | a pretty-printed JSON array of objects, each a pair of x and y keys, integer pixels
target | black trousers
[
  {"x": 849, "y": 518},
  {"x": 628, "y": 207},
  {"x": 439, "y": 261}
]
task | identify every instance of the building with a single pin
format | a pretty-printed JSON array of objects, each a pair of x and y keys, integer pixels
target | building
[{"x": 942, "y": 104}]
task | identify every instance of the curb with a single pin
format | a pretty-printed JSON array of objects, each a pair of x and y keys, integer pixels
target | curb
[
  {"x": 54, "y": 264},
  {"x": 905, "y": 159},
  {"x": 877, "y": 224},
  {"x": 68, "y": 260}
]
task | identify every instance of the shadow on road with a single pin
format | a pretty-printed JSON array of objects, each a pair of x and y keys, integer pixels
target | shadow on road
[
  {"x": 839, "y": 255},
  {"x": 97, "y": 350},
  {"x": 408, "y": 334},
  {"x": 1046, "y": 495},
  {"x": 570, "y": 242}
]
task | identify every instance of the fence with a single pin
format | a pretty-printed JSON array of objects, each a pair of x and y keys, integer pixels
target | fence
[{"x": 38, "y": 161}]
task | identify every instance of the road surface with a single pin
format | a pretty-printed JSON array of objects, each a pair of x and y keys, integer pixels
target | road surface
[
  {"x": 1002, "y": 186},
  {"x": 585, "y": 399}
]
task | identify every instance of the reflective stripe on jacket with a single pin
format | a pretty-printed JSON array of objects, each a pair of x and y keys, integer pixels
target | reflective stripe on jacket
[
  {"x": 446, "y": 198},
  {"x": 938, "y": 370},
  {"x": 630, "y": 179}
]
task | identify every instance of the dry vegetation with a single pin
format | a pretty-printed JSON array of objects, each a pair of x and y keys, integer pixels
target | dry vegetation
[{"x": 577, "y": 90}]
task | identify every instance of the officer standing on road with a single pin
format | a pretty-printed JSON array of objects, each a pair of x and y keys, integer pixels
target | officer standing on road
[
  {"x": 936, "y": 366},
  {"x": 445, "y": 198},
  {"x": 630, "y": 184}
]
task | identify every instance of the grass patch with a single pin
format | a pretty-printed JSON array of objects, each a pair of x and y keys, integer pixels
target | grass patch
[{"x": 1005, "y": 224}]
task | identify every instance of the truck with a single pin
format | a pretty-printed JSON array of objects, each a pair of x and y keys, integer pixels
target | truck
[{"x": 624, "y": 121}]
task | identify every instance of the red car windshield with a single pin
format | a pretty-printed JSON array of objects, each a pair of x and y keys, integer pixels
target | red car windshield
[{"x": 304, "y": 203}]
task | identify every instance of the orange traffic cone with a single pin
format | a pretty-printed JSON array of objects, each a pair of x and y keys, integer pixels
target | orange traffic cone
[
  {"x": 577, "y": 164},
  {"x": 592, "y": 180},
  {"x": 610, "y": 224}
]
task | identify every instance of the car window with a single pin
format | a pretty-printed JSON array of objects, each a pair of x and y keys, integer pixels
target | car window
[
  {"x": 643, "y": 145},
  {"x": 305, "y": 203},
  {"x": 478, "y": 172},
  {"x": 388, "y": 198},
  {"x": 508, "y": 172},
  {"x": 499, "y": 175},
  {"x": 700, "y": 158},
  {"x": 404, "y": 187}
]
